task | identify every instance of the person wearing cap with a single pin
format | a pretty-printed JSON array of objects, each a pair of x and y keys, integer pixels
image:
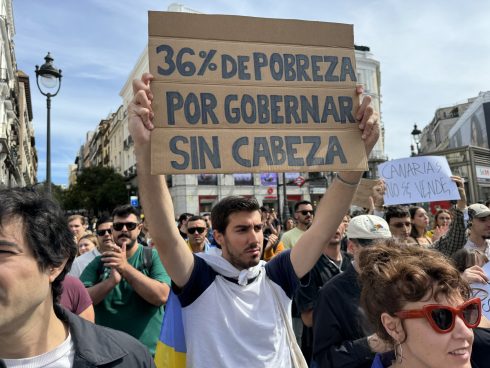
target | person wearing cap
[
  {"x": 339, "y": 335},
  {"x": 479, "y": 225}
]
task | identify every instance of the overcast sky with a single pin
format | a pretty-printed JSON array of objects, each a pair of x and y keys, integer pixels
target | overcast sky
[{"x": 432, "y": 54}]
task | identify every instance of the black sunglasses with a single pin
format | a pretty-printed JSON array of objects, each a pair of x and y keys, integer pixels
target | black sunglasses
[
  {"x": 130, "y": 226},
  {"x": 103, "y": 232},
  {"x": 305, "y": 212},
  {"x": 192, "y": 230}
]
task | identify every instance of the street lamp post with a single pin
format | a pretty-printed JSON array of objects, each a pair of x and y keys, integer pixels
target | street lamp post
[
  {"x": 128, "y": 188},
  {"x": 416, "y": 133},
  {"x": 285, "y": 212},
  {"x": 49, "y": 78}
]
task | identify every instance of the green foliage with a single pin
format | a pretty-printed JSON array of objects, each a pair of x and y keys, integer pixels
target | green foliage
[{"x": 98, "y": 189}]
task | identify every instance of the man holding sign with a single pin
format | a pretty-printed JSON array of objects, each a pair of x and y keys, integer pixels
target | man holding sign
[{"x": 229, "y": 290}]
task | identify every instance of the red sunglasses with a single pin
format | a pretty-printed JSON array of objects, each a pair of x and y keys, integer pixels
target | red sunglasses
[{"x": 442, "y": 317}]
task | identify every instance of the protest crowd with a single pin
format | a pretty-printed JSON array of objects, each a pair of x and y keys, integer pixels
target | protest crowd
[{"x": 384, "y": 287}]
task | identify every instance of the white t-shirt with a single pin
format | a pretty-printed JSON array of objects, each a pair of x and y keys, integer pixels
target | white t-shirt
[
  {"x": 485, "y": 249},
  {"x": 230, "y": 325},
  {"x": 61, "y": 357}
]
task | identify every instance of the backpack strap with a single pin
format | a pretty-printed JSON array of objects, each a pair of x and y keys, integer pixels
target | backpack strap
[{"x": 147, "y": 258}]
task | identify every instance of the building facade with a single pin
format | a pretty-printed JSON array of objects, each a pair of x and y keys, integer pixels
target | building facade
[
  {"x": 18, "y": 157},
  {"x": 435, "y": 135},
  {"x": 461, "y": 133},
  {"x": 26, "y": 151}
]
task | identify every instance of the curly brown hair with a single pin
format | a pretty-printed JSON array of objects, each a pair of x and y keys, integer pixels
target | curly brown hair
[{"x": 391, "y": 276}]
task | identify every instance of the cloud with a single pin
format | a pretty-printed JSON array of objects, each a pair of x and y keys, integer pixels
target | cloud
[{"x": 432, "y": 54}]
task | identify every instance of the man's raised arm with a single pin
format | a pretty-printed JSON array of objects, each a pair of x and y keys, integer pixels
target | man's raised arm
[
  {"x": 336, "y": 201},
  {"x": 155, "y": 197}
]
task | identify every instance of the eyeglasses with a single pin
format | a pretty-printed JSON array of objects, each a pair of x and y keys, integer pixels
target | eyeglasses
[
  {"x": 399, "y": 225},
  {"x": 305, "y": 212},
  {"x": 442, "y": 317},
  {"x": 130, "y": 226},
  {"x": 192, "y": 230},
  {"x": 103, "y": 232}
]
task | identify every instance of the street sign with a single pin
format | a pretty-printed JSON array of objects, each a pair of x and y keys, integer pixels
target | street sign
[
  {"x": 299, "y": 181},
  {"x": 133, "y": 200}
]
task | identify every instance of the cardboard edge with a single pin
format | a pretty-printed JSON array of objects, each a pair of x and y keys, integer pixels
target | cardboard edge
[{"x": 265, "y": 30}]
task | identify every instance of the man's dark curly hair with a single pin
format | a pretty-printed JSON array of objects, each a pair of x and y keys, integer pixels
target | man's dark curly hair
[{"x": 45, "y": 229}]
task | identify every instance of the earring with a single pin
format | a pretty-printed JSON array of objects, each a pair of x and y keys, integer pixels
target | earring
[{"x": 398, "y": 353}]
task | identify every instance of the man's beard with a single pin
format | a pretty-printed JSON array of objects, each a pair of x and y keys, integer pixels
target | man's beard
[
  {"x": 129, "y": 245},
  {"x": 236, "y": 261},
  {"x": 307, "y": 222}
]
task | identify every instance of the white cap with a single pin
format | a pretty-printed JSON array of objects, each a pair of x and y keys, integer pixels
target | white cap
[
  {"x": 478, "y": 210},
  {"x": 368, "y": 227}
]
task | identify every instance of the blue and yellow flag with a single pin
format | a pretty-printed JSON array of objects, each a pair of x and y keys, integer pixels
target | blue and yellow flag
[{"x": 171, "y": 349}]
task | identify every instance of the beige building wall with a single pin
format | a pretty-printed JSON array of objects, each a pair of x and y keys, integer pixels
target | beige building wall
[
  {"x": 85, "y": 159},
  {"x": 115, "y": 141},
  {"x": 369, "y": 75},
  {"x": 27, "y": 155},
  {"x": 128, "y": 161},
  {"x": 9, "y": 171},
  {"x": 72, "y": 174}
]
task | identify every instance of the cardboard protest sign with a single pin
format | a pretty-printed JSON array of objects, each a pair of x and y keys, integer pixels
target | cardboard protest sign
[
  {"x": 482, "y": 291},
  {"x": 240, "y": 95},
  {"x": 364, "y": 191},
  {"x": 417, "y": 179}
]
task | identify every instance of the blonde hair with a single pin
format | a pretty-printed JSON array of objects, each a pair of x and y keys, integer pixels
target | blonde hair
[
  {"x": 90, "y": 237},
  {"x": 77, "y": 217}
]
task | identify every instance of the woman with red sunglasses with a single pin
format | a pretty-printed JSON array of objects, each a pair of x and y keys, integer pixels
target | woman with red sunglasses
[{"x": 418, "y": 302}]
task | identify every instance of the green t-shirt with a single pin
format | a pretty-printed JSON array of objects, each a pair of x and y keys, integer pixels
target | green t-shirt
[{"x": 123, "y": 309}]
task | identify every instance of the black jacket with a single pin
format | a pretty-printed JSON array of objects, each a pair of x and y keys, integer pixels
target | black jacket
[
  {"x": 340, "y": 329},
  {"x": 480, "y": 354},
  {"x": 97, "y": 346},
  {"x": 306, "y": 296}
]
